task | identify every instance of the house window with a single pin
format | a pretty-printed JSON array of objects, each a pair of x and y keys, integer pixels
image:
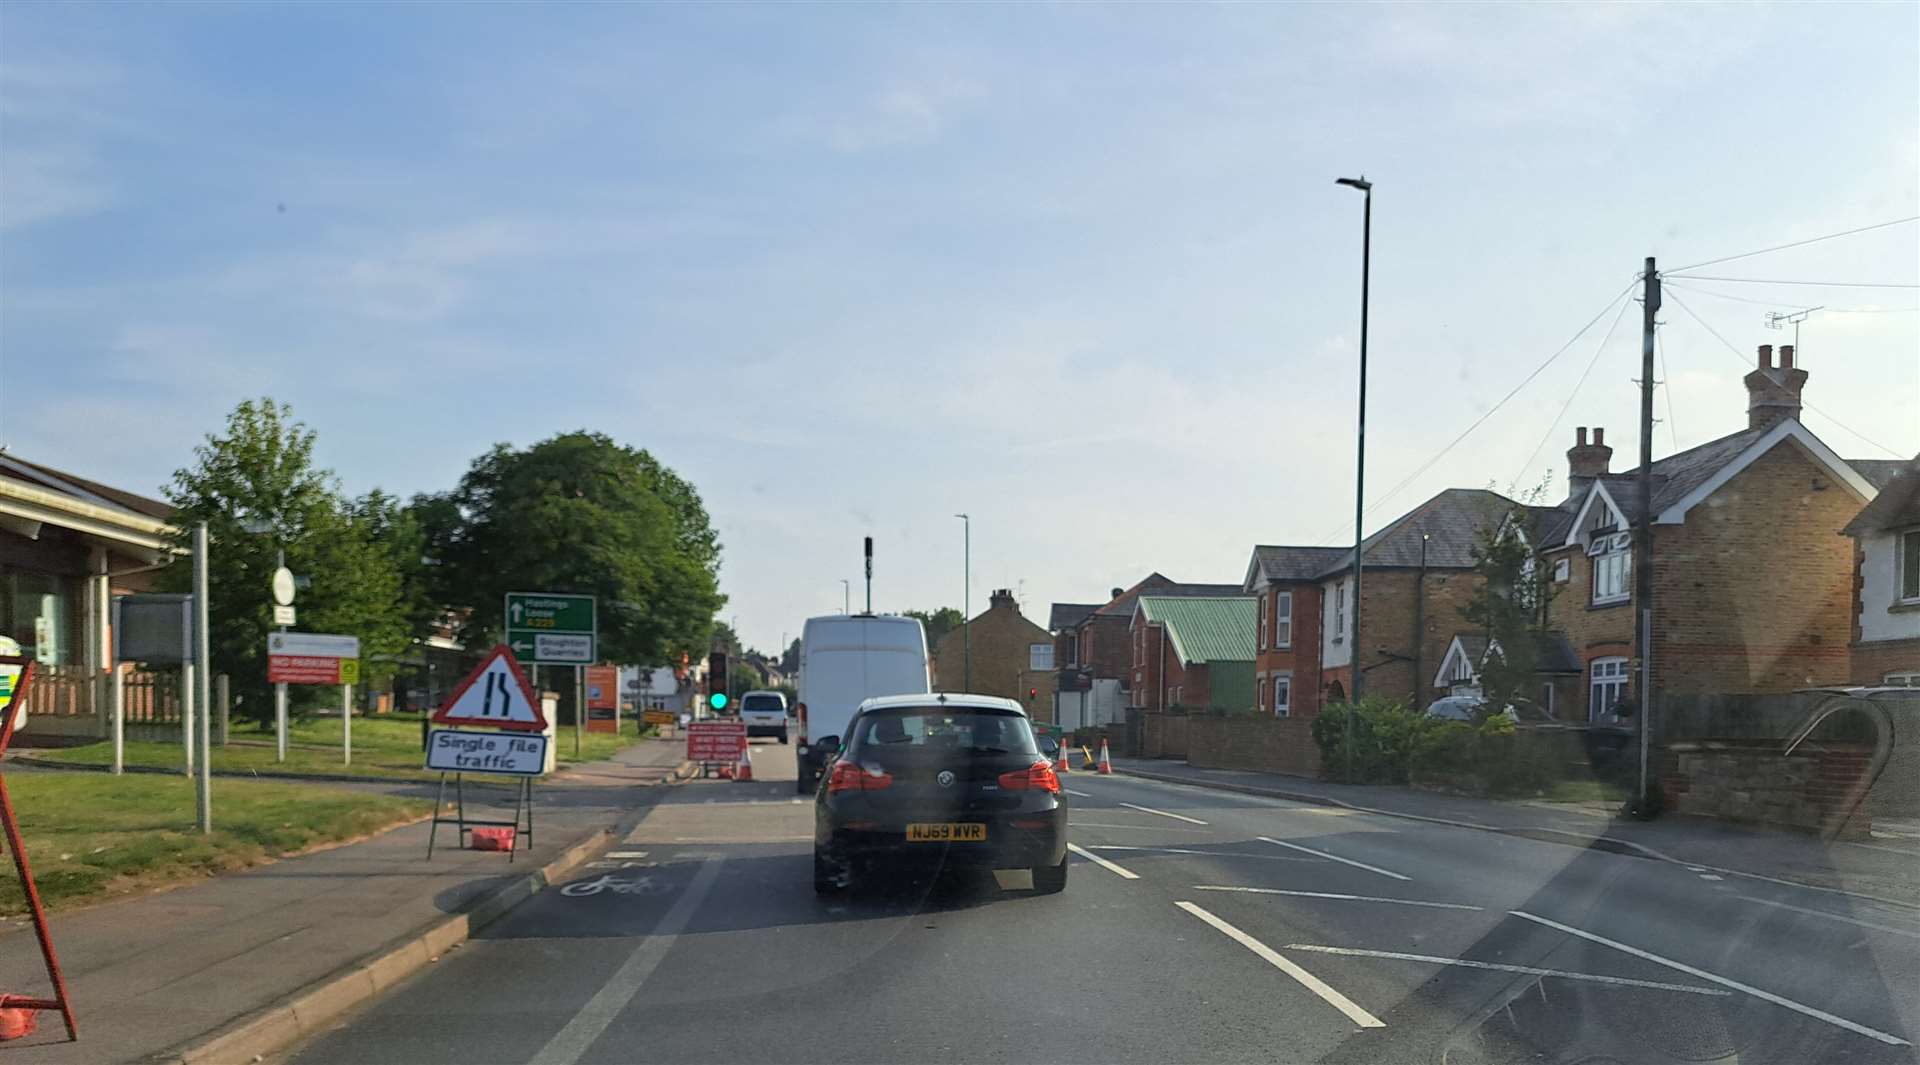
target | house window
[
  {"x": 1903, "y": 680},
  {"x": 1612, "y": 571},
  {"x": 1261, "y": 698},
  {"x": 1260, "y": 634},
  {"x": 1546, "y": 698},
  {"x": 1607, "y": 686},
  {"x": 1910, "y": 566},
  {"x": 1283, "y": 619},
  {"x": 1339, "y": 611},
  {"x": 1462, "y": 671},
  {"x": 1562, "y": 570},
  {"x": 1283, "y": 695}
]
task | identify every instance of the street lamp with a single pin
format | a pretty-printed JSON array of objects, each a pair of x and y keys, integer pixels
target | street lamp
[
  {"x": 966, "y": 605},
  {"x": 1360, "y": 461},
  {"x": 846, "y": 596}
]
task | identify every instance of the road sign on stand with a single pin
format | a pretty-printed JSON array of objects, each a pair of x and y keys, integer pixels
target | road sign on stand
[
  {"x": 552, "y": 628},
  {"x": 495, "y": 695},
  {"x": 716, "y": 743},
  {"x": 468, "y": 751}
]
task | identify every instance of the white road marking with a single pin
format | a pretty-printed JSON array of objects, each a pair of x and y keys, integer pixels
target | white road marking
[
  {"x": 625, "y": 854},
  {"x": 1082, "y": 794},
  {"x": 1333, "y": 895},
  {"x": 1136, "y": 828},
  {"x": 1334, "y": 858},
  {"x": 1617, "y": 981},
  {"x": 1834, "y": 916},
  {"x": 1306, "y": 979},
  {"x": 1206, "y": 854},
  {"x": 1163, "y": 813},
  {"x": 570, "y": 1042},
  {"x": 1765, "y": 996},
  {"x": 1120, "y": 871},
  {"x": 1708, "y": 876}
]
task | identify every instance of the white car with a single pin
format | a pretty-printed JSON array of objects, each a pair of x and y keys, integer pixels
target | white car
[{"x": 765, "y": 714}]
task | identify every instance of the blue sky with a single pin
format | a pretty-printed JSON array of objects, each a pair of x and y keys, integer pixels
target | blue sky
[{"x": 1079, "y": 271}]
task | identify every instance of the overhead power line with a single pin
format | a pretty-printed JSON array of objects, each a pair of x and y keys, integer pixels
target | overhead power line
[
  {"x": 1822, "y": 284},
  {"x": 1777, "y": 304},
  {"x": 1742, "y": 359},
  {"x": 1477, "y": 422},
  {"x": 1577, "y": 385},
  {"x": 1666, "y": 385},
  {"x": 1796, "y": 244}
]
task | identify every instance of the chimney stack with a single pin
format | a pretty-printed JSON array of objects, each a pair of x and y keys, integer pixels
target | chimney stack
[
  {"x": 1587, "y": 461},
  {"x": 1115, "y": 594},
  {"x": 1773, "y": 393},
  {"x": 1001, "y": 598}
]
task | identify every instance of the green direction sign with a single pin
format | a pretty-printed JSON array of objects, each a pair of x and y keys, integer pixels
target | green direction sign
[{"x": 551, "y": 628}]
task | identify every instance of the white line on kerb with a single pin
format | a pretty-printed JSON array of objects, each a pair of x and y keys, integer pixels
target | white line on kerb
[
  {"x": 1306, "y": 979},
  {"x": 1833, "y": 916},
  {"x": 570, "y": 1042},
  {"x": 1617, "y": 981},
  {"x": 1334, "y": 858},
  {"x": 1333, "y": 895},
  {"x": 1163, "y": 813},
  {"x": 1766, "y": 996},
  {"x": 1120, "y": 871}
]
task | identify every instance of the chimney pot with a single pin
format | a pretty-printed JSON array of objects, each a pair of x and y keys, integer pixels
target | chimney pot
[
  {"x": 1766, "y": 356},
  {"x": 1586, "y": 461},
  {"x": 1786, "y": 356},
  {"x": 1116, "y": 593},
  {"x": 1599, "y": 437},
  {"x": 1580, "y": 437}
]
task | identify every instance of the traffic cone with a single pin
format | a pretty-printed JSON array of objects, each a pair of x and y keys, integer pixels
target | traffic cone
[
  {"x": 743, "y": 770},
  {"x": 1106, "y": 763},
  {"x": 1063, "y": 763}
]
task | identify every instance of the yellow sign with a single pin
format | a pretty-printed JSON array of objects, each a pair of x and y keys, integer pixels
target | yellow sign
[
  {"x": 657, "y": 717},
  {"x": 349, "y": 671}
]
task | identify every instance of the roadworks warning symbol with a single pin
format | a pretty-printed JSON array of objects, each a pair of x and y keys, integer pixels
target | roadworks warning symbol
[{"x": 494, "y": 695}]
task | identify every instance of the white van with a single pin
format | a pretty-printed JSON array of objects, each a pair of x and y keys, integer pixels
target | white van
[
  {"x": 765, "y": 714},
  {"x": 846, "y": 659}
]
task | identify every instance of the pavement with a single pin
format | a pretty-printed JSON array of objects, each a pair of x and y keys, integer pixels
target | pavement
[
  {"x": 1198, "y": 925},
  {"x": 156, "y": 975},
  {"x": 1885, "y": 868}
]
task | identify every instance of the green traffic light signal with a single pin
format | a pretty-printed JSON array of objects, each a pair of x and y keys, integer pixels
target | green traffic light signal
[{"x": 718, "y": 700}]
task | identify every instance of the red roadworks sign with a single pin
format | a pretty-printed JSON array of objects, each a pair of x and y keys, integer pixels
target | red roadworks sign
[
  {"x": 302, "y": 669},
  {"x": 716, "y": 741}
]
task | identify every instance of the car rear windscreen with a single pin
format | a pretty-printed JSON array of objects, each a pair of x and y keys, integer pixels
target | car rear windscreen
[
  {"x": 765, "y": 704},
  {"x": 939, "y": 728}
]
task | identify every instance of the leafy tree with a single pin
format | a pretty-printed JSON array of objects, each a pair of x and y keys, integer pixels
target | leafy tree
[
  {"x": 742, "y": 678},
  {"x": 579, "y": 513},
  {"x": 938, "y": 622},
  {"x": 260, "y": 471},
  {"x": 1509, "y": 605}
]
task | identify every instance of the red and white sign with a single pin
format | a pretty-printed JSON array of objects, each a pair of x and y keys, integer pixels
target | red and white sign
[
  {"x": 495, "y": 695},
  {"x": 716, "y": 741},
  {"x": 312, "y": 658},
  {"x": 303, "y": 669}
]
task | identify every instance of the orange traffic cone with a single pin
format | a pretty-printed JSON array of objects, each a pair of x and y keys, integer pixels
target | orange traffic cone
[
  {"x": 1062, "y": 764},
  {"x": 1106, "y": 763},
  {"x": 744, "y": 769}
]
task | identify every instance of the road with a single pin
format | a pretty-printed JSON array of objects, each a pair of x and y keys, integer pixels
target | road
[{"x": 1196, "y": 926}]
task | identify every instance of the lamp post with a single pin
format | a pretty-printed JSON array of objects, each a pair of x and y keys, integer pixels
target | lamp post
[
  {"x": 966, "y": 604},
  {"x": 846, "y": 596},
  {"x": 1360, "y": 447}
]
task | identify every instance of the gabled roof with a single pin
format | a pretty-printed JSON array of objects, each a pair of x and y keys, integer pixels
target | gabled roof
[
  {"x": 1451, "y": 523},
  {"x": 1069, "y": 615},
  {"x": 1897, "y": 505},
  {"x": 1554, "y": 654},
  {"x": 1204, "y": 628},
  {"x": 1879, "y": 472},
  {"x": 1158, "y": 584},
  {"x": 1282, "y": 563}
]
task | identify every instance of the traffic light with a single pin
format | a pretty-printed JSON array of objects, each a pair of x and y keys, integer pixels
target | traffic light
[
  {"x": 717, "y": 680},
  {"x": 718, "y": 700},
  {"x": 1032, "y": 694}
]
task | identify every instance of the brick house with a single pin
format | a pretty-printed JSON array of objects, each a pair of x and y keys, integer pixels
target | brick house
[
  {"x": 1419, "y": 573},
  {"x": 1192, "y": 652},
  {"x": 1002, "y": 656},
  {"x": 1751, "y": 582},
  {"x": 1093, "y": 643},
  {"x": 1885, "y": 646}
]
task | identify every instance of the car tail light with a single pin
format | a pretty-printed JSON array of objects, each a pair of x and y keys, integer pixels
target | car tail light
[
  {"x": 847, "y": 776},
  {"x": 1036, "y": 777}
]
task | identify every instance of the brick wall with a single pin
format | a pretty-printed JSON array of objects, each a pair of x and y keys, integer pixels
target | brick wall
[
  {"x": 1104, "y": 646},
  {"x": 1302, "y": 658},
  {"x": 1001, "y": 637},
  {"x": 1163, "y": 735},
  {"x": 1871, "y": 662},
  {"x": 1813, "y": 790},
  {"x": 1262, "y": 744},
  {"x": 1387, "y": 626}
]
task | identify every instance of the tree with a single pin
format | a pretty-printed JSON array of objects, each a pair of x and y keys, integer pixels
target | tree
[
  {"x": 260, "y": 472},
  {"x": 1509, "y": 604},
  {"x": 938, "y": 622},
  {"x": 579, "y": 513}
]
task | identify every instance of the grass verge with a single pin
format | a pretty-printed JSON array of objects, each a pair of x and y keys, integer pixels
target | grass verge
[{"x": 92, "y": 837}]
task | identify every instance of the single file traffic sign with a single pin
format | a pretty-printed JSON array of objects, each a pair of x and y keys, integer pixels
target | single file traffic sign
[{"x": 495, "y": 695}]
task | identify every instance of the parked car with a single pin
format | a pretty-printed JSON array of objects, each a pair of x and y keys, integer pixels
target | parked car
[
  {"x": 939, "y": 780},
  {"x": 1467, "y": 708},
  {"x": 1605, "y": 744}
]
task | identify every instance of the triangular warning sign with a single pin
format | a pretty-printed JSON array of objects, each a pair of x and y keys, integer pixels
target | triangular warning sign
[{"x": 495, "y": 695}]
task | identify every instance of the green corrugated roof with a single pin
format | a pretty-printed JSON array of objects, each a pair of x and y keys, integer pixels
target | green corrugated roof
[{"x": 1205, "y": 628}]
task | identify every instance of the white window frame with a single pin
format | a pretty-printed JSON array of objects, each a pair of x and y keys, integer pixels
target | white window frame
[
  {"x": 1260, "y": 633},
  {"x": 1606, "y": 684},
  {"x": 1283, "y": 694},
  {"x": 1282, "y": 620},
  {"x": 1546, "y": 698},
  {"x": 1562, "y": 570},
  {"x": 1620, "y": 562},
  {"x": 1339, "y": 611},
  {"x": 1907, "y": 572},
  {"x": 1902, "y": 680},
  {"x": 1260, "y": 697}
]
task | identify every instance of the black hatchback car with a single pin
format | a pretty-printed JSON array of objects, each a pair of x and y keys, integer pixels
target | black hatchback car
[{"x": 947, "y": 779}]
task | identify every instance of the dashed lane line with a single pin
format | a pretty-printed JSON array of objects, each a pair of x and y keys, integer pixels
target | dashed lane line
[
  {"x": 1334, "y": 858},
  {"x": 1274, "y": 958},
  {"x": 1118, "y": 870},
  {"x": 1465, "y": 963},
  {"x": 1136, "y": 828},
  {"x": 1163, "y": 813},
  {"x": 1765, "y": 996},
  {"x": 1204, "y": 854},
  {"x": 1334, "y": 895},
  {"x": 1082, "y": 794}
]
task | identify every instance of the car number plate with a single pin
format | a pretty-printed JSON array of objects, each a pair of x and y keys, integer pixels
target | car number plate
[{"x": 946, "y": 833}]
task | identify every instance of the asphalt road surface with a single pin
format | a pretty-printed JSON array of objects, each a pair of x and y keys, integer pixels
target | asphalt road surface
[{"x": 1196, "y": 926}]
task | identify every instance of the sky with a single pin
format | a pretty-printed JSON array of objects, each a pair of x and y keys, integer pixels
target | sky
[{"x": 1081, "y": 272}]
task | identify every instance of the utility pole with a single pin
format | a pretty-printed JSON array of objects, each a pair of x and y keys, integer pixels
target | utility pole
[
  {"x": 1360, "y": 448},
  {"x": 1643, "y": 536},
  {"x": 869, "y": 575}
]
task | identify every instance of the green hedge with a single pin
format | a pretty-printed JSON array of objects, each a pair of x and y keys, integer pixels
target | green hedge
[{"x": 1394, "y": 744}]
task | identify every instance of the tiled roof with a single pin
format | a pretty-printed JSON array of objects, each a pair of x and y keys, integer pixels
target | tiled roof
[
  {"x": 1451, "y": 522},
  {"x": 1067, "y": 615},
  {"x": 1205, "y": 628},
  {"x": 1897, "y": 504},
  {"x": 16, "y": 468},
  {"x": 1879, "y": 472},
  {"x": 1157, "y": 584},
  {"x": 1283, "y": 563}
]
